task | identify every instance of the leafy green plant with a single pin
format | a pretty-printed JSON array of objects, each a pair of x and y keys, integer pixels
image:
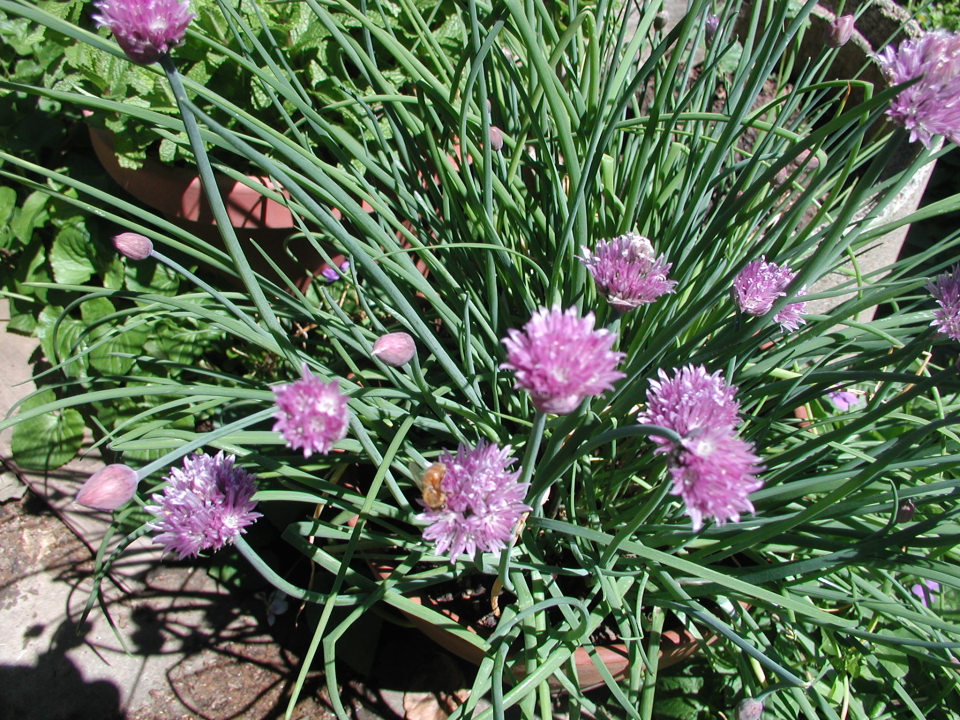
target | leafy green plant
[
  {"x": 810, "y": 600},
  {"x": 936, "y": 14}
]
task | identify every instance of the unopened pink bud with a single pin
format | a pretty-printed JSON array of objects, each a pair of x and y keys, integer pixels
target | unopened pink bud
[
  {"x": 712, "y": 25},
  {"x": 748, "y": 709},
  {"x": 496, "y": 138},
  {"x": 395, "y": 349},
  {"x": 838, "y": 32},
  {"x": 811, "y": 160},
  {"x": 109, "y": 488},
  {"x": 905, "y": 511},
  {"x": 133, "y": 245}
]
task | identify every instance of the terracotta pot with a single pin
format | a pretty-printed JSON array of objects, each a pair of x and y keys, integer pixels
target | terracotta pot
[
  {"x": 674, "y": 647},
  {"x": 177, "y": 194}
]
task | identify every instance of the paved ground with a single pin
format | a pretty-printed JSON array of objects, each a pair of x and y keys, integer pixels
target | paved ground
[{"x": 195, "y": 650}]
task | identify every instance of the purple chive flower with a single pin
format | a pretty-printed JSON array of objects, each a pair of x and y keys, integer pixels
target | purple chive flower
[
  {"x": 204, "y": 506},
  {"x": 927, "y": 592},
  {"x": 626, "y": 271},
  {"x": 144, "y": 29},
  {"x": 843, "y": 400},
  {"x": 712, "y": 470},
  {"x": 331, "y": 275},
  {"x": 560, "y": 359},
  {"x": 757, "y": 287},
  {"x": 930, "y": 106},
  {"x": 690, "y": 400},
  {"x": 311, "y": 414},
  {"x": 109, "y": 488},
  {"x": 484, "y": 502},
  {"x": 945, "y": 289}
]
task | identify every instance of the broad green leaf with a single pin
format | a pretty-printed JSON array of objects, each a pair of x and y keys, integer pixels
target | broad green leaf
[
  {"x": 151, "y": 277},
  {"x": 47, "y": 441},
  {"x": 96, "y": 309},
  {"x": 72, "y": 256},
  {"x": 64, "y": 343},
  {"x": 31, "y": 216},
  {"x": 109, "y": 357}
]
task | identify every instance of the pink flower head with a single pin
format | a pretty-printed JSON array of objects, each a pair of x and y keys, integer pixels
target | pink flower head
[
  {"x": 144, "y": 29},
  {"x": 109, "y": 488},
  {"x": 945, "y": 289},
  {"x": 930, "y": 106},
  {"x": 712, "y": 470},
  {"x": 311, "y": 415},
  {"x": 757, "y": 287},
  {"x": 560, "y": 359},
  {"x": 484, "y": 502},
  {"x": 692, "y": 399},
  {"x": 204, "y": 506},
  {"x": 626, "y": 271}
]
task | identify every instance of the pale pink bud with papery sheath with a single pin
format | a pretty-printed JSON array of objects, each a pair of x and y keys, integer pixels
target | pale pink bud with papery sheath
[
  {"x": 496, "y": 138},
  {"x": 838, "y": 32},
  {"x": 133, "y": 245},
  {"x": 109, "y": 488},
  {"x": 748, "y": 709},
  {"x": 394, "y": 349}
]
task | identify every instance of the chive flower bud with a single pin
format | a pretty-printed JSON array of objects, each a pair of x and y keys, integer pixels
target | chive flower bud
[
  {"x": 496, "y": 138},
  {"x": 712, "y": 24},
  {"x": 394, "y": 349},
  {"x": 905, "y": 511},
  {"x": 837, "y": 33},
  {"x": 109, "y": 488},
  {"x": 748, "y": 709},
  {"x": 133, "y": 245}
]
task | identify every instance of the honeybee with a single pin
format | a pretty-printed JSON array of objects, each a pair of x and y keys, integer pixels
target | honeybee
[{"x": 429, "y": 483}]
